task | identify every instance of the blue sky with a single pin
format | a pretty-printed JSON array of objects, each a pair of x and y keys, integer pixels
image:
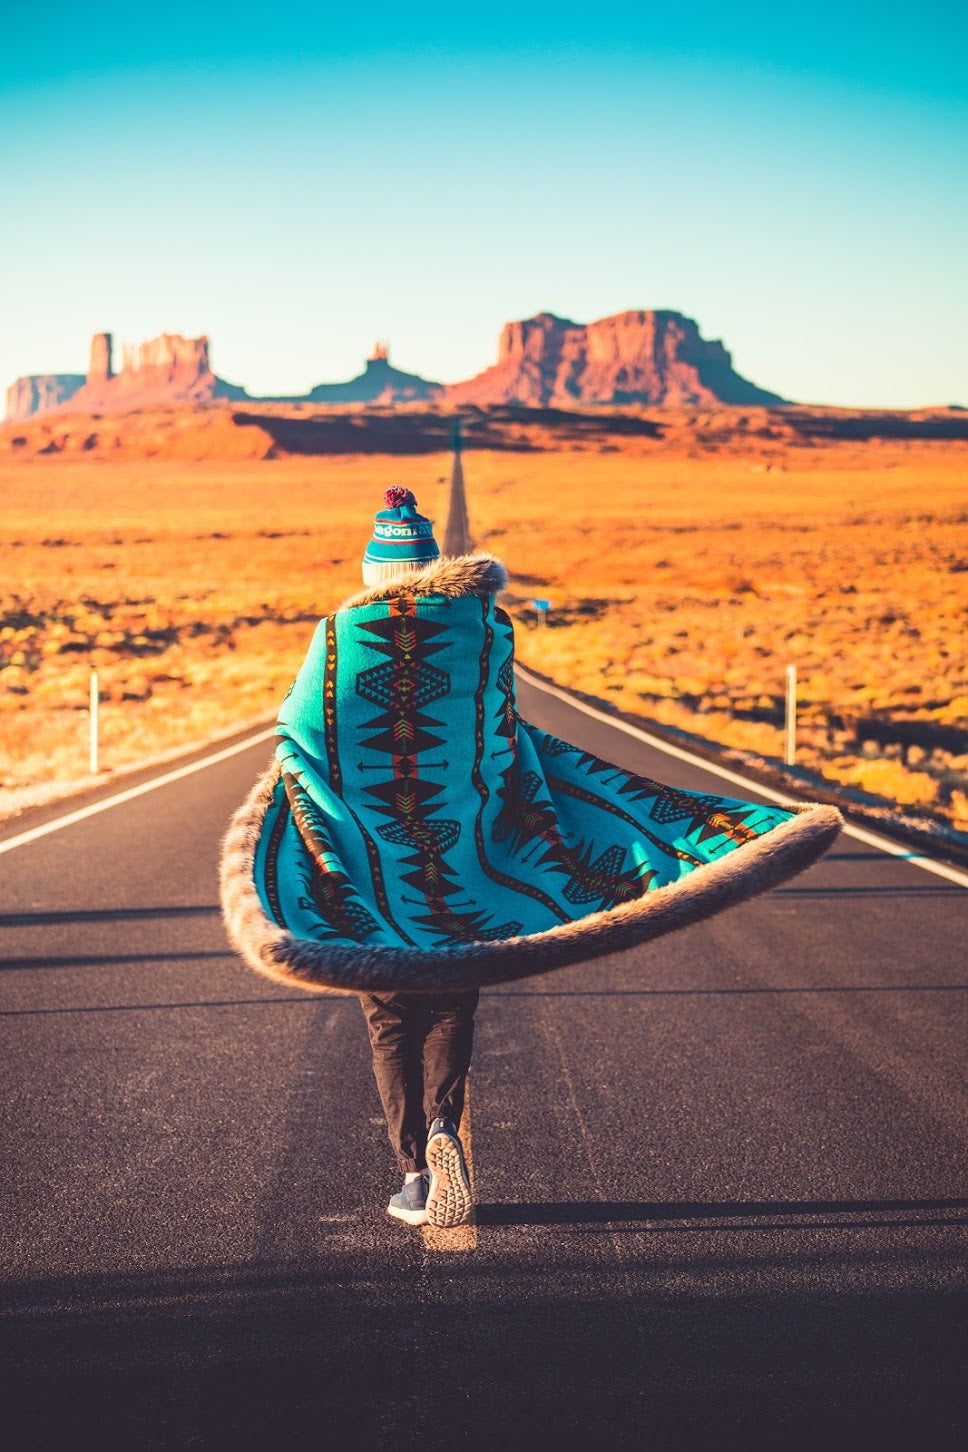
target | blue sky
[{"x": 297, "y": 184}]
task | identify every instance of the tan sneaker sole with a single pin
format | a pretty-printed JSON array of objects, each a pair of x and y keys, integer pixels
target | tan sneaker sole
[{"x": 450, "y": 1201}]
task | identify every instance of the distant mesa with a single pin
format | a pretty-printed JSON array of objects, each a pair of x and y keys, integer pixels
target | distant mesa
[
  {"x": 379, "y": 382},
  {"x": 41, "y": 392},
  {"x": 168, "y": 369},
  {"x": 656, "y": 358},
  {"x": 173, "y": 369}
]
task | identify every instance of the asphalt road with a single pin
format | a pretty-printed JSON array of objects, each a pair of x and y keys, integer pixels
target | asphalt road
[{"x": 721, "y": 1179}]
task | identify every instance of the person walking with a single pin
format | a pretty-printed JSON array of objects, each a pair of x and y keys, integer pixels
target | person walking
[
  {"x": 421, "y": 1043},
  {"x": 415, "y": 838}
]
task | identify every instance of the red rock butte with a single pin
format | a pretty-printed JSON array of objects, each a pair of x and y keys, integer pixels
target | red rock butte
[
  {"x": 654, "y": 358},
  {"x": 166, "y": 369}
]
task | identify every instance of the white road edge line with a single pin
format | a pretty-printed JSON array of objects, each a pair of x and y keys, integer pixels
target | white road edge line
[
  {"x": 82, "y": 813},
  {"x": 860, "y": 834}
]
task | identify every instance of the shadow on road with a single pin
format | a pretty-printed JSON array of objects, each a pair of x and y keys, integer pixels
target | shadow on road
[
  {"x": 306, "y": 999},
  {"x": 609, "y": 1212},
  {"x": 720, "y": 992},
  {"x": 846, "y": 890},
  {"x": 98, "y": 960},
  {"x": 373, "y": 1354},
  {"x": 106, "y": 915}
]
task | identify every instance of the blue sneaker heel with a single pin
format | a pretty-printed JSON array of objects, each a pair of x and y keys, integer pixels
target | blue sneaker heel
[{"x": 410, "y": 1201}]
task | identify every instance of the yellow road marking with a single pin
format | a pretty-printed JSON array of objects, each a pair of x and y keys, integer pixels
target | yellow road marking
[{"x": 461, "y": 1237}]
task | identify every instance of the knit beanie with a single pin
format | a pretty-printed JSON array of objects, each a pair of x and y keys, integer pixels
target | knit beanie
[{"x": 402, "y": 539}]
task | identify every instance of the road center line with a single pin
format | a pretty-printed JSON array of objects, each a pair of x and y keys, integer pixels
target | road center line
[
  {"x": 860, "y": 834},
  {"x": 83, "y": 813}
]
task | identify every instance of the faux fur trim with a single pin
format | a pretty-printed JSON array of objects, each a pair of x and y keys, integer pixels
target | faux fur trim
[
  {"x": 450, "y": 575},
  {"x": 286, "y": 958}
]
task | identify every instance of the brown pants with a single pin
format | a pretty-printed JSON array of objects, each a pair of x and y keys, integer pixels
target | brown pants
[{"x": 421, "y": 1045}]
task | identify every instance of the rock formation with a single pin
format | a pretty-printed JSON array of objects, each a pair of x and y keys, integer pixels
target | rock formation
[
  {"x": 654, "y": 358},
  {"x": 168, "y": 369},
  {"x": 173, "y": 369},
  {"x": 379, "y": 382},
  {"x": 648, "y": 358},
  {"x": 39, "y": 392},
  {"x": 100, "y": 368}
]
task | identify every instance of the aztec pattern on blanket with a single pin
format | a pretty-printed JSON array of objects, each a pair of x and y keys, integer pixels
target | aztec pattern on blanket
[{"x": 415, "y": 806}]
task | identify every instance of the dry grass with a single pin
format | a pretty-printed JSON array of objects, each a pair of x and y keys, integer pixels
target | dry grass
[{"x": 681, "y": 586}]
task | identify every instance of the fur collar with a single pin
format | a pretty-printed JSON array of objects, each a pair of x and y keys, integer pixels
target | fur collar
[{"x": 450, "y": 576}]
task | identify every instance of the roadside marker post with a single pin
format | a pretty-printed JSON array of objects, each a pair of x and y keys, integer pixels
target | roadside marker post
[
  {"x": 790, "y": 752},
  {"x": 542, "y": 607},
  {"x": 95, "y": 702}
]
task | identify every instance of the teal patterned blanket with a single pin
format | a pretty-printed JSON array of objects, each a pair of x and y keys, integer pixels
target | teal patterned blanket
[
  {"x": 414, "y": 832},
  {"x": 414, "y": 818}
]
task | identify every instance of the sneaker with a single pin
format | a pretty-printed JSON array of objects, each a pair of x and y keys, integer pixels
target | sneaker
[
  {"x": 410, "y": 1201},
  {"x": 449, "y": 1199}
]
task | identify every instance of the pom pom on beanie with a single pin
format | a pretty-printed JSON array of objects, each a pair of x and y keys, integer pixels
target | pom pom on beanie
[{"x": 397, "y": 495}]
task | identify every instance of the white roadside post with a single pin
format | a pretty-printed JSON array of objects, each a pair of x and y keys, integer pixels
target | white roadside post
[
  {"x": 95, "y": 701},
  {"x": 790, "y": 753}
]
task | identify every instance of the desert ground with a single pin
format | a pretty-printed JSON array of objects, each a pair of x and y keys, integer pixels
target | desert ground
[{"x": 683, "y": 580}]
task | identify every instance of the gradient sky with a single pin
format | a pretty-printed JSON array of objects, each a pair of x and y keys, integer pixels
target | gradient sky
[{"x": 297, "y": 181}]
